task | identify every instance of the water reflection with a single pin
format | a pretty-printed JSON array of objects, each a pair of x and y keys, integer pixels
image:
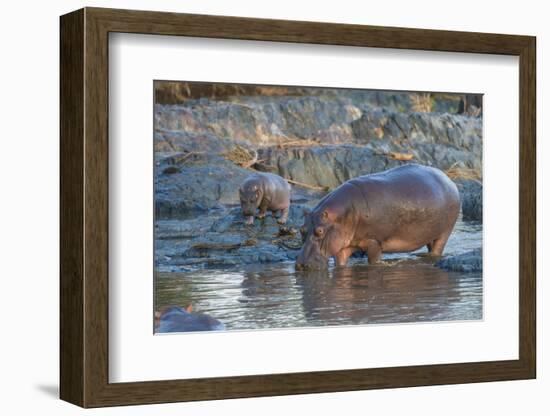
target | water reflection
[
  {"x": 409, "y": 291},
  {"x": 276, "y": 296}
]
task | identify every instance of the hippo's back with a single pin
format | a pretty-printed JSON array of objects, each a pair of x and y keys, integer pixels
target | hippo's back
[
  {"x": 276, "y": 179},
  {"x": 408, "y": 202},
  {"x": 267, "y": 179},
  {"x": 409, "y": 183}
]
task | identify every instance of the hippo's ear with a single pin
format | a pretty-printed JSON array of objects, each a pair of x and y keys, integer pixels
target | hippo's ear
[
  {"x": 325, "y": 215},
  {"x": 189, "y": 308}
]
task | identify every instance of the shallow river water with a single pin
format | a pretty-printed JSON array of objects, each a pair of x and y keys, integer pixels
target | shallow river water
[{"x": 405, "y": 288}]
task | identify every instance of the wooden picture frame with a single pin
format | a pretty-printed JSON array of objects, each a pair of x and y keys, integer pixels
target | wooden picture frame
[{"x": 84, "y": 207}]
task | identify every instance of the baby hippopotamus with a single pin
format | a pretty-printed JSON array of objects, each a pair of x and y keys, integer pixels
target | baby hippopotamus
[
  {"x": 398, "y": 210},
  {"x": 265, "y": 191},
  {"x": 178, "y": 319}
]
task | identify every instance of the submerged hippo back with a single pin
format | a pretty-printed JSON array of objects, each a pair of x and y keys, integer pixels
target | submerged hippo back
[{"x": 176, "y": 319}]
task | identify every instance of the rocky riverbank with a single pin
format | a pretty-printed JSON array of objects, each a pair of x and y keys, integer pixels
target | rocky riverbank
[{"x": 204, "y": 148}]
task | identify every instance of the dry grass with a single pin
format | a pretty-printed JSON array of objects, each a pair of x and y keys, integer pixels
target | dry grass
[
  {"x": 455, "y": 172},
  {"x": 421, "y": 102},
  {"x": 242, "y": 156},
  {"x": 396, "y": 155},
  {"x": 177, "y": 92}
]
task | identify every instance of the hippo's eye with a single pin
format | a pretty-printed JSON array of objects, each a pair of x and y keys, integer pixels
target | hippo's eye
[{"x": 319, "y": 231}]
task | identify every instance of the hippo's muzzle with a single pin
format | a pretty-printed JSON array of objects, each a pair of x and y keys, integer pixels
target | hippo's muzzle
[
  {"x": 248, "y": 209},
  {"x": 310, "y": 258}
]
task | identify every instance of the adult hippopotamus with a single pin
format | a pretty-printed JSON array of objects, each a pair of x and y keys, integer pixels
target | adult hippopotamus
[
  {"x": 265, "y": 191},
  {"x": 398, "y": 210},
  {"x": 178, "y": 319}
]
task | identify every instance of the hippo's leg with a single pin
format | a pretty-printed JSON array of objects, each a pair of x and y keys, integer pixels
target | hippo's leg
[
  {"x": 343, "y": 255},
  {"x": 436, "y": 247},
  {"x": 261, "y": 214},
  {"x": 430, "y": 247},
  {"x": 374, "y": 251},
  {"x": 263, "y": 209},
  {"x": 284, "y": 216}
]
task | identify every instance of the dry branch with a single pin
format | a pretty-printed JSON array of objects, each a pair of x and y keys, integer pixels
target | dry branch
[
  {"x": 396, "y": 155},
  {"x": 401, "y": 156},
  {"x": 299, "y": 143},
  {"x": 305, "y": 185},
  {"x": 187, "y": 156},
  {"x": 251, "y": 162},
  {"x": 178, "y": 158}
]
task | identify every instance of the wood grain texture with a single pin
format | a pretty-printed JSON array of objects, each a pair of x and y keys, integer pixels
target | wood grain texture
[
  {"x": 84, "y": 207},
  {"x": 71, "y": 100},
  {"x": 225, "y": 27},
  {"x": 527, "y": 207},
  {"x": 96, "y": 208}
]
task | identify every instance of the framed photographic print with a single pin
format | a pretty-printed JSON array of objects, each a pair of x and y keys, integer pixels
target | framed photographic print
[{"x": 256, "y": 207}]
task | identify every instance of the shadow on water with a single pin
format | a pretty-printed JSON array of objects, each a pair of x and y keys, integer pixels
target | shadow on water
[{"x": 276, "y": 296}]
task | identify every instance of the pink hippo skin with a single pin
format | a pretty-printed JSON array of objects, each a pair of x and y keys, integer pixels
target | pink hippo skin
[
  {"x": 398, "y": 210},
  {"x": 265, "y": 191}
]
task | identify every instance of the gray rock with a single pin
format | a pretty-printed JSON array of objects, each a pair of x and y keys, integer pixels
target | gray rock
[
  {"x": 471, "y": 261},
  {"x": 221, "y": 238},
  {"x": 440, "y": 140},
  {"x": 253, "y": 121},
  {"x": 172, "y": 141},
  {"x": 354, "y": 138},
  {"x": 324, "y": 166},
  {"x": 207, "y": 183},
  {"x": 471, "y": 197},
  {"x": 342, "y": 117}
]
